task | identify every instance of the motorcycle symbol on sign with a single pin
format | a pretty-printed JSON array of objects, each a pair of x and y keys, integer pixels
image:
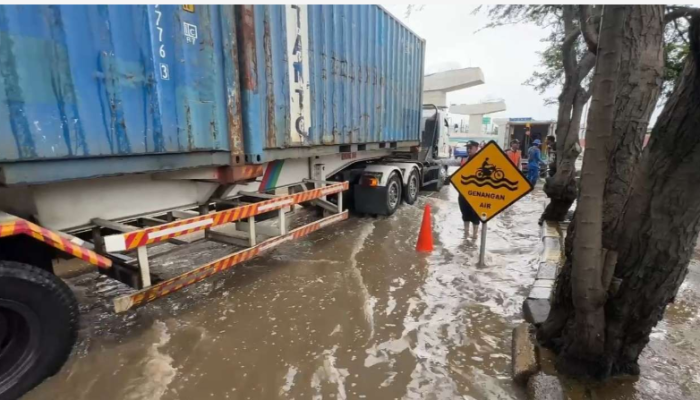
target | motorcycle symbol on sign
[
  {"x": 487, "y": 170},
  {"x": 490, "y": 175}
]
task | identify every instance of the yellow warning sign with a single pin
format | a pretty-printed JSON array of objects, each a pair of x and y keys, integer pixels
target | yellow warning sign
[
  {"x": 490, "y": 182},
  {"x": 188, "y": 8}
]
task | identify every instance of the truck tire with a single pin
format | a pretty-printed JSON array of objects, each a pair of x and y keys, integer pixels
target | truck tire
[
  {"x": 393, "y": 194},
  {"x": 441, "y": 177},
  {"x": 410, "y": 194},
  {"x": 38, "y": 327}
]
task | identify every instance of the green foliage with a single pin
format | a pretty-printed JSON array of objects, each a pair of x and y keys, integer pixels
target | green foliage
[
  {"x": 551, "y": 73},
  {"x": 540, "y": 15}
]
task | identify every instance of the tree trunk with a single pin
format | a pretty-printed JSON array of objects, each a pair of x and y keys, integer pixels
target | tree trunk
[
  {"x": 661, "y": 222},
  {"x": 641, "y": 72},
  {"x": 658, "y": 232},
  {"x": 582, "y": 352},
  {"x": 561, "y": 188},
  {"x": 641, "y": 67}
]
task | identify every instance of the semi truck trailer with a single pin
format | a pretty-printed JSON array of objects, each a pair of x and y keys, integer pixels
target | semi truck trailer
[{"x": 126, "y": 130}]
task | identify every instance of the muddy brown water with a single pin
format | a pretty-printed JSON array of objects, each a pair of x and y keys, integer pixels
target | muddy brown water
[{"x": 349, "y": 312}]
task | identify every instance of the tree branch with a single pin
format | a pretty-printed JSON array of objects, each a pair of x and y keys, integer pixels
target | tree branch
[
  {"x": 588, "y": 28},
  {"x": 680, "y": 33},
  {"x": 568, "y": 46},
  {"x": 587, "y": 94},
  {"x": 585, "y": 66},
  {"x": 680, "y": 12},
  {"x": 570, "y": 38},
  {"x": 582, "y": 95}
]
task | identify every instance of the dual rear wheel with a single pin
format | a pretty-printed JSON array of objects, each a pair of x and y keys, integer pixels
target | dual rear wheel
[{"x": 396, "y": 191}]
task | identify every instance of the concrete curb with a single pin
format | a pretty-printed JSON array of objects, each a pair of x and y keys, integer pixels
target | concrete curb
[
  {"x": 544, "y": 387},
  {"x": 537, "y": 305},
  {"x": 523, "y": 354},
  {"x": 529, "y": 369}
]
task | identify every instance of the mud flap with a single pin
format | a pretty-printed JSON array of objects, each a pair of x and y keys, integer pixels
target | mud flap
[{"x": 370, "y": 200}]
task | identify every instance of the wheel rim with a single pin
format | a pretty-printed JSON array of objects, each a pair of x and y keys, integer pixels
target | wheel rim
[
  {"x": 19, "y": 342},
  {"x": 393, "y": 194},
  {"x": 413, "y": 186}
]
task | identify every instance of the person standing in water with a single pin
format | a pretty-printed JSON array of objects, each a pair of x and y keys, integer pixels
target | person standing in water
[
  {"x": 534, "y": 158},
  {"x": 468, "y": 213},
  {"x": 514, "y": 154}
]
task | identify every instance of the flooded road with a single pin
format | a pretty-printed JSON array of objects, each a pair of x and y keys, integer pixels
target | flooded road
[
  {"x": 670, "y": 364},
  {"x": 349, "y": 312}
]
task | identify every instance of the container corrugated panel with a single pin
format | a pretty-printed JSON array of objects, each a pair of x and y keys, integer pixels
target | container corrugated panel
[
  {"x": 96, "y": 81},
  {"x": 327, "y": 75}
]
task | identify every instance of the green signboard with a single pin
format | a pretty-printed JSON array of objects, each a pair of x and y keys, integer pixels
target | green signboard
[{"x": 485, "y": 120}]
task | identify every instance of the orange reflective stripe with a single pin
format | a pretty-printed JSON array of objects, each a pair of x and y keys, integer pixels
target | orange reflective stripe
[
  {"x": 128, "y": 239},
  {"x": 7, "y": 229},
  {"x": 164, "y": 288},
  {"x": 140, "y": 238},
  {"x": 58, "y": 241},
  {"x": 20, "y": 226},
  {"x": 93, "y": 259},
  {"x": 233, "y": 214},
  {"x": 34, "y": 227},
  {"x": 136, "y": 240},
  {"x": 78, "y": 252},
  {"x": 217, "y": 218}
]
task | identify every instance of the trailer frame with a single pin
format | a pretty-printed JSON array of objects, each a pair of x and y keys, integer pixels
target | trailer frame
[{"x": 138, "y": 239}]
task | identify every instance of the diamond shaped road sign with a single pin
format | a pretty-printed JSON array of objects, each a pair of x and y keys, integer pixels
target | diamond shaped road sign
[{"x": 490, "y": 182}]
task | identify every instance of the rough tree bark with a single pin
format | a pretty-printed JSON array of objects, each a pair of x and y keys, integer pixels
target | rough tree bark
[
  {"x": 661, "y": 221},
  {"x": 561, "y": 188},
  {"x": 637, "y": 92},
  {"x": 639, "y": 87},
  {"x": 588, "y": 27},
  {"x": 588, "y": 294},
  {"x": 657, "y": 234}
]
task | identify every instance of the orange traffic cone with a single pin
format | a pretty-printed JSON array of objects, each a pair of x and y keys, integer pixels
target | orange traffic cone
[{"x": 425, "y": 237}]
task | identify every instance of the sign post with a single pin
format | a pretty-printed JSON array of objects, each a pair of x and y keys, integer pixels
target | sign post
[
  {"x": 482, "y": 248},
  {"x": 490, "y": 183}
]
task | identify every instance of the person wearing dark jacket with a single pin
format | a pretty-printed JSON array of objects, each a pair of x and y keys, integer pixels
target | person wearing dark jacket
[{"x": 468, "y": 213}]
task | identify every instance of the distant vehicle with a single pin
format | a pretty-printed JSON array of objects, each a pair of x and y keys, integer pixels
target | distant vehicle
[{"x": 460, "y": 152}]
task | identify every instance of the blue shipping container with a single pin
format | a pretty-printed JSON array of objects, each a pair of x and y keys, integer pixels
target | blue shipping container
[
  {"x": 327, "y": 75},
  {"x": 103, "y": 90},
  {"x": 99, "y": 80}
]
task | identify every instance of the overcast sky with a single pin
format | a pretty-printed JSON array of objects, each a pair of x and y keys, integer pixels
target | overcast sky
[{"x": 506, "y": 55}]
